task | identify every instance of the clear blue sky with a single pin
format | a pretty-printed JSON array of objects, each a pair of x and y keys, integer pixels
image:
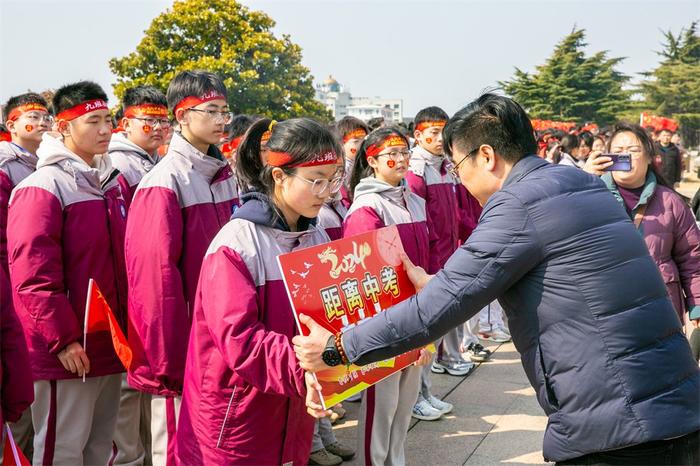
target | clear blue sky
[{"x": 426, "y": 52}]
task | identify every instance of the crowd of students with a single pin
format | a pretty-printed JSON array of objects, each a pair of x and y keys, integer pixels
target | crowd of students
[{"x": 178, "y": 214}]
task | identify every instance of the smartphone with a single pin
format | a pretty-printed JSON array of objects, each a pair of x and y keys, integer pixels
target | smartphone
[{"x": 621, "y": 162}]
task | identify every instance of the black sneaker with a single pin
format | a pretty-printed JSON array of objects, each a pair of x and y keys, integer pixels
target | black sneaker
[{"x": 478, "y": 353}]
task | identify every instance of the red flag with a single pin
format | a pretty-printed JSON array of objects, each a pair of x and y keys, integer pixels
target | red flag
[
  {"x": 99, "y": 317},
  {"x": 11, "y": 454},
  {"x": 657, "y": 122}
]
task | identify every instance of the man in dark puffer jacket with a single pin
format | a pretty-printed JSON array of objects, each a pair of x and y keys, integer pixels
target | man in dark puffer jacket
[{"x": 589, "y": 313}]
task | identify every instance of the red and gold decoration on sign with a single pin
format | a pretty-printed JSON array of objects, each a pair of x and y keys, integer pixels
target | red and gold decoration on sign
[{"x": 339, "y": 284}]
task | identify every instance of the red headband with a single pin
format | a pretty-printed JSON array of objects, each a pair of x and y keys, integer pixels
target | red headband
[
  {"x": 391, "y": 141},
  {"x": 146, "y": 110},
  {"x": 18, "y": 111},
  {"x": 281, "y": 159},
  {"x": 358, "y": 133},
  {"x": 81, "y": 109},
  {"x": 423, "y": 125},
  {"x": 193, "y": 101}
]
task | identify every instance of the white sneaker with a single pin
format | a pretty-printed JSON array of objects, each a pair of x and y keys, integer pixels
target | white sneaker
[
  {"x": 496, "y": 335},
  {"x": 443, "y": 406},
  {"x": 458, "y": 369},
  {"x": 425, "y": 411},
  {"x": 504, "y": 329}
]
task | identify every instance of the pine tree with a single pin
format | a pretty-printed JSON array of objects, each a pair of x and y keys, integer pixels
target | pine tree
[
  {"x": 571, "y": 86},
  {"x": 674, "y": 86}
]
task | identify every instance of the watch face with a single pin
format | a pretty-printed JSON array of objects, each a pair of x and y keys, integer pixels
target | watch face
[{"x": 331, "y": 357}]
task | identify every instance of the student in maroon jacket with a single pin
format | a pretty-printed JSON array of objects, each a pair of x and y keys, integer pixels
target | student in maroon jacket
[
  {"x": 75, "y": 233},
  {"x": 243, "y": 400},
  {"x": 27, "y": 120},
  {"x": 178, "y": 208}
]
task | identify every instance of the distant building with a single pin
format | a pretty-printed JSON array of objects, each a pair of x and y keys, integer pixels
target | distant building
[{"x": 341, "y": 103}]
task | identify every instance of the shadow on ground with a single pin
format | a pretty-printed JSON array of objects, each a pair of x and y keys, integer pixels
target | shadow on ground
[{"x": 496, "y": 419}]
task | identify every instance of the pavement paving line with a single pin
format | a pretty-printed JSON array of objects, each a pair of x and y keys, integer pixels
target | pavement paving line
[{"x": 478, "y": 365}]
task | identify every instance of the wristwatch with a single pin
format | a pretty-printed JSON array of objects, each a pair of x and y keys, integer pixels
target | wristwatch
[{"x": 331, "y": 355}]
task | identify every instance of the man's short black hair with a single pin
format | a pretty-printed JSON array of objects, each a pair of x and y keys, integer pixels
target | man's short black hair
[
  {"x": 430, "y": 114},
  {"x": 495, "y": 120},
  {"x": 193, "y": 83},
  {"x": 23, "y": 99},
  {"x": 140, "y": 95},
  {"x": 74, "y": 94}
]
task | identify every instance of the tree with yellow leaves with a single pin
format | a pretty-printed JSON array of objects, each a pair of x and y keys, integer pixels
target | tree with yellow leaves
[{"x": 263, "y": 73}]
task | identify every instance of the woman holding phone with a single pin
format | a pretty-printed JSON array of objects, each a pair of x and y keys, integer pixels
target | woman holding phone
[{"x": 662, "y": 217}]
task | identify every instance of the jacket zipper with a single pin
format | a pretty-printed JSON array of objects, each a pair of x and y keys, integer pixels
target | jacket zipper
[{"x": 223, "y": 425}]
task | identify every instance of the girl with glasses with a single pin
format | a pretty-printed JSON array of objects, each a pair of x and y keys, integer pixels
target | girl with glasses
[
  {"x": 243, "y": 396},
  {"x": 381, "y": 197}
]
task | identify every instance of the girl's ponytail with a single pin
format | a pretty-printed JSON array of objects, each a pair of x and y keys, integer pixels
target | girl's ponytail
[{"x": 249, "y": 164}]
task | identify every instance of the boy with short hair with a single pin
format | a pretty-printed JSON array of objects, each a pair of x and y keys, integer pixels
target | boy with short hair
[
  {"x": 178, "y": 208},
  {"x": 144, "y": 124},
  {"x": 27, "y": 120},
  {"x": 75, "y": 233},
  {"x": 429, "y": 177}
]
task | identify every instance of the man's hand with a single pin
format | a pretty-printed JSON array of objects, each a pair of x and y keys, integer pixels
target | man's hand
[
  {"x": 309, "y": 349},
  {"x": 74, "y": 359},
  {"x": 313, "y": 397},
  {"x": 416, "y": 274},
  {"x": 596, "y": 165}
]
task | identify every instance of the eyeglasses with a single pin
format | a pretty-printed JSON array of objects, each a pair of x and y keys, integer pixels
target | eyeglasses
[
  {"x": 319, "y": 186},
  {"x": 454, "y": 169},
  {"x": 218, "y": 117},
  {"x": 397, "y": 155},
  {"x": 38, "y": 118},
  {"x": 155, "y": 122}
]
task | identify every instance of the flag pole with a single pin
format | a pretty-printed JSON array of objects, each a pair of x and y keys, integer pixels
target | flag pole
[
  {"x": 13, "y": 445},
  {"x": 87, "y": 311}
]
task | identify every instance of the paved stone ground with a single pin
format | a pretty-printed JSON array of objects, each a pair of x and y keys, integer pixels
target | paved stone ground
[{"x": 496, "y": 418}]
